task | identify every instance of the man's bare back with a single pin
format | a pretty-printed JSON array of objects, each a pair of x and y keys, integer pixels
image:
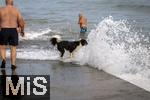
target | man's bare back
[
  {"x": 82, "y": 21},
  {"x": 10, "y": 17}
]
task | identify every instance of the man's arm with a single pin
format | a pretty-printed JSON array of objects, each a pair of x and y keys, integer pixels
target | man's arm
[
  {"x": 21, "y": 23},
  {"x": 0, "y": 18},
  {"x": 79, "y": 22}
]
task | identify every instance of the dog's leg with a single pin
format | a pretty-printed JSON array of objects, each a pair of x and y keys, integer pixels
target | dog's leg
[
  {"x": 71, "y": 55},
  {"x": 62, "y": 53},
  {"x": 61, "y": 59}
]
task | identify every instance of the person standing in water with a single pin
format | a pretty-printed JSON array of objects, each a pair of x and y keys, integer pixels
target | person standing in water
[
  {"x": 11, "y": 22},
  {"x": 82, "y": 23}
]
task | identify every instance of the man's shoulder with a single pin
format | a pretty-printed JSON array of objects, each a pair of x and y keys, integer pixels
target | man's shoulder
[
  {"x": 15, "y": 8},
  {"x": 1, "y": 8}
]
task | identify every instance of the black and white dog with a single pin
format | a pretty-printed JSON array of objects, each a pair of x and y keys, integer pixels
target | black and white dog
[{"x": 70, "y": 46}]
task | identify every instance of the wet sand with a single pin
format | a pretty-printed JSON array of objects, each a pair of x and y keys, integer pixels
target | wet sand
[{"x": 74, "y": 82}]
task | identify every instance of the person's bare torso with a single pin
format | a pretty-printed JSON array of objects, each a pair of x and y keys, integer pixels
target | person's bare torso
[
  {"x": 82, "y": 21},
  {"x": 8, "y": 17}
]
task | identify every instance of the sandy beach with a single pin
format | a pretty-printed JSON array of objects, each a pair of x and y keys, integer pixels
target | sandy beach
[{"x": 74, "y": 82}]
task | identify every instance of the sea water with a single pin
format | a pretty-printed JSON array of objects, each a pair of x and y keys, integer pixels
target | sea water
[{"x": 118, "y": 34}]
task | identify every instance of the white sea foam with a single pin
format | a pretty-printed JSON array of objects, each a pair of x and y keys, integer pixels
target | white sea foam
[
  {"x": 32, "y": 35},
  {"x": 36, "y": 54}
]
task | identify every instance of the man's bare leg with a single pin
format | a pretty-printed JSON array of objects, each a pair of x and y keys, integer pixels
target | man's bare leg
[
  {"x": 13, "y": 56},
  {"x": 3, "y": 55},
  {"x": 3, "y": 52}
]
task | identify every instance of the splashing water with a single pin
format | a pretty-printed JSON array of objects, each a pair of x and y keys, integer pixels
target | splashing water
[{"x": 116, "y": 49}]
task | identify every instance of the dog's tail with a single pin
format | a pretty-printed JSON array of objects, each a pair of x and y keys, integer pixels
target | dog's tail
[{"x": 55, "y": 39}]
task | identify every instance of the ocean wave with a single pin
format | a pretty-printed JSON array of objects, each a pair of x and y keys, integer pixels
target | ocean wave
[
  {"x": 114, "y": 48},
  {"x": 35, "y": 35}
]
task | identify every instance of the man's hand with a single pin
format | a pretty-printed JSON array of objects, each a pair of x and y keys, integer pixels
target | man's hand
[{"x": 22, "y": 33}]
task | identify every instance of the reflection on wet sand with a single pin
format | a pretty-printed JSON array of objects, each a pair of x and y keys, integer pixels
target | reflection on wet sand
[{"x": 14, "y": 77}]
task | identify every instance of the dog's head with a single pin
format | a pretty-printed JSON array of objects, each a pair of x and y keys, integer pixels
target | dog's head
[
  {"x": 55, "y": 39},
  {"x": 83, "y": 42}
]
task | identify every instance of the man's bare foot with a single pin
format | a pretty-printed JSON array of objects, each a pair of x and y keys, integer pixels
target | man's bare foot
[
  {"x": 13, "y": 67},
  {"x": 3, "y": 64}
]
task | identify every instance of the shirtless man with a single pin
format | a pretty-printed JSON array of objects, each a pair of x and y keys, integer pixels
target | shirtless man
[
  {"x": 83, "y": 23},
  {"x": 11, "y": 22}
]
